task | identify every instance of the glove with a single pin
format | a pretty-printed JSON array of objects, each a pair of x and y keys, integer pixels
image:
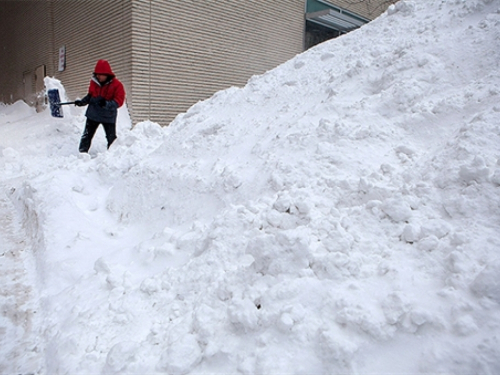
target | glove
[
  {"x": 101, "y": 101},
  {"x": 79, "y": 103}
]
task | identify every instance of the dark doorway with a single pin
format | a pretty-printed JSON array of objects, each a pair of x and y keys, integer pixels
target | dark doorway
[{"x": 316, "y": 34}]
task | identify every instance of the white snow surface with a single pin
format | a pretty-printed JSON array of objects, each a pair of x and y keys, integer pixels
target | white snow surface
[{"x": 339, "y": 214}]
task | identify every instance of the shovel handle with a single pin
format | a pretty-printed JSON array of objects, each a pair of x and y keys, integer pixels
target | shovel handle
[{"x": 64, "y": 103}]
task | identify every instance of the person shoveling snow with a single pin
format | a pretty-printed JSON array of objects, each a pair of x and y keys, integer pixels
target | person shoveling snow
[{"x": 106, "y": 94}]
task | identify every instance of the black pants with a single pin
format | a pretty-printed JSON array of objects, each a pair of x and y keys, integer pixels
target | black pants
[{"x": 91, "y": 128}]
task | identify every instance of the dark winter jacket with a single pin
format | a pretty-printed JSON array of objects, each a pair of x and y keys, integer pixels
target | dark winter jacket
[{"x": 112, "y": 91}]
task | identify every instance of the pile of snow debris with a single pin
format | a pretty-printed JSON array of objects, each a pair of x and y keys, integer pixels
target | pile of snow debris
[{"x": 337, "y": 215}]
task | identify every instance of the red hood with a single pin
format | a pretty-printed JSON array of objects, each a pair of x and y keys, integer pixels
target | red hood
[{"x": 103, "y": 67}]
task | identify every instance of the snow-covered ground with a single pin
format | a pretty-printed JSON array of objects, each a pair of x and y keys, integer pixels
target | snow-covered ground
[{"x": 339, "y": 214}]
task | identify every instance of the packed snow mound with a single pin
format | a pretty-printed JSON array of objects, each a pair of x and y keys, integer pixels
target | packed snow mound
[
  {"x": 338, "y": 214},
  {"x": 15, "y": 112}
]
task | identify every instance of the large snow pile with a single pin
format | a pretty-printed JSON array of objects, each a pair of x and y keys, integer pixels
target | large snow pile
[{"x": 337, "y": 215}]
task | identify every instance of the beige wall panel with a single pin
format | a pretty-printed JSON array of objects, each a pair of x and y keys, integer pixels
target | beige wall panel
[
  {"x": 92, "y": 30},
  {"x": 199, "y": 47},
  {"x": 139, "y": 104}
]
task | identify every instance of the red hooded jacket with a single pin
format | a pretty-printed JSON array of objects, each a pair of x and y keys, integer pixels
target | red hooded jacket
[{"x": 112, "y": 91}]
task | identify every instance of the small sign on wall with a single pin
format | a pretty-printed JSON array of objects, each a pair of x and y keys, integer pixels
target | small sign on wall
[{"x": 62, "y": 58}]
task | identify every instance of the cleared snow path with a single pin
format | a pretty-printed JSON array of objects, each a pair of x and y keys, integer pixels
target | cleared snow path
[{"x": 20, "y": 340}]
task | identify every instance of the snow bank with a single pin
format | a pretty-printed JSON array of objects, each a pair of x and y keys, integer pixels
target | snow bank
[{"x": 338, "y": 214}]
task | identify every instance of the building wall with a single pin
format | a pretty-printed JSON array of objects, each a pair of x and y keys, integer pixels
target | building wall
[
  {"x": 169, "y": 54},
  {"x": 186, "y": 50},
  {"x": 24, "y": 46},
  {"x": 91, "y": 30},
  {"x": 32, "y": 31}
]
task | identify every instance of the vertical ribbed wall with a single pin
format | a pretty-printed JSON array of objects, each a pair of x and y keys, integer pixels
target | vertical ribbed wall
[
  {"x": 141, "y": 61},
  {"x": 92, "y": 30},
  {"x": 184, "y": 51}
]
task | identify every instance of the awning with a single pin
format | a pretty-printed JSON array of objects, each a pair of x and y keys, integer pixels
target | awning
[
  {"x": 336, "y": 19},
  {"x": 325, "y": 13}
]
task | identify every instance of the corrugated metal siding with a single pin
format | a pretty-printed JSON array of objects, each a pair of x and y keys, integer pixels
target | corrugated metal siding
[
  {"x": 24, "y": 45},
  {"x": 184, "y": 51},
  {"x": 141, "y": 78},
  {"x": 92, "y": 30},
  {"x": 370, "y": 9}
]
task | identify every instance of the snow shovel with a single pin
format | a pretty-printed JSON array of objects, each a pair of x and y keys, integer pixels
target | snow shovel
[{"x": 55, "y": 103}]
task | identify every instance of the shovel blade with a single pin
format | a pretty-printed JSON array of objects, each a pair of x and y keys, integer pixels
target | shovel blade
[{"x": 54, "y": 102}]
